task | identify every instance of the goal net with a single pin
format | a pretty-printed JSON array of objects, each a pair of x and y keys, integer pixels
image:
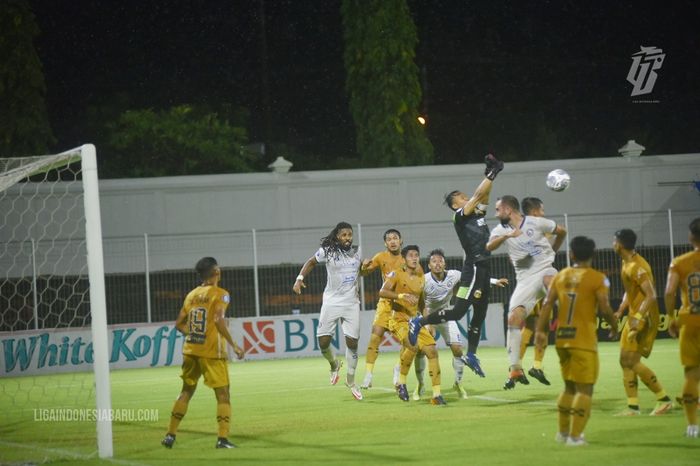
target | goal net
[{"x": 52, "y": 300}]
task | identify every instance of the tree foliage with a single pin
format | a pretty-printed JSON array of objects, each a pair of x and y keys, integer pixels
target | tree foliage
[
  {"x": 182, "y": 140},
  {"x": 24, "y": 124},
  {"x": 382, "y": 83}
]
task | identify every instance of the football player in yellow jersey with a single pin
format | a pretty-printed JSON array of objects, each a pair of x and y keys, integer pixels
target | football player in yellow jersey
[
  {"x": 639, "y": 331},
  {"x": 580, "y": 291},
  {"x": 404, "y": 287},
  {"x": 202, "y": 320},
  {"x": 685, "y": 272},
  {"x": 386, "y": 261}
]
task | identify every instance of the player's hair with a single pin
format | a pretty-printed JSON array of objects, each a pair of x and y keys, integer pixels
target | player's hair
[
  {"x": 437, "y": 252},
  {"x": 627, "y": 238},
  {"x": 694, "y": 228},
  {"x": 205, "y": 267},
  {"x": 582, "y": 248},
  {"x": 530, "y": 203},
  {"x": 510, "y": 201},
  {"x": 410, "y": 247},
  {"x": 449, "y": 197},
  {"x": 331, "y": 246},
  {"x": 390, "y": 231}
]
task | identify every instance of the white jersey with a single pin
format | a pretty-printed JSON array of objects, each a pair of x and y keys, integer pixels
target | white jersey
[
  {"x": 439, "y": 293},
  {"x": 342, "y": 272},
  {"x": 530, "y": 252}
]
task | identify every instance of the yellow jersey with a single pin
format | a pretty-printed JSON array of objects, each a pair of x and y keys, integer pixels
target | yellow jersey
[
  {"x": 576, "y": 290},
  {"x": 687, "y": 266},
  {"x": 387, "y": 262},
  {"x": 635, "y": 272},
  {"x": 406, "y": 281},
  {"x": 203, "y": 339}
]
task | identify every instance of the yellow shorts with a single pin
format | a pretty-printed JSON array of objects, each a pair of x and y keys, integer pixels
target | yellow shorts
[
  {"x": 400, "y": 330},
  {"x": 383, "y": 314},
  {"x": 578, "y": 366},
  {"x": 215, "y": 371},
  {"x": 690, "y": 345},
  {"x": 643, "y": 342}
]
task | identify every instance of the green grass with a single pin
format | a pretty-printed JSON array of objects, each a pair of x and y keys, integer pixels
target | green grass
[{"x": 284, "y": 412}]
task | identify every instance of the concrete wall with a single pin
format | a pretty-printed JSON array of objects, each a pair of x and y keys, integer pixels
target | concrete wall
[{"x": 188, "y": 217}]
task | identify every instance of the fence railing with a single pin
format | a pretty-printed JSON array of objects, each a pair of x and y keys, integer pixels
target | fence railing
[{"x": 147, "y": 277}]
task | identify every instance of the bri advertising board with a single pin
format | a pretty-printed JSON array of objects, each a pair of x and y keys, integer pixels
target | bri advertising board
[{"x": 152, "y": 345}]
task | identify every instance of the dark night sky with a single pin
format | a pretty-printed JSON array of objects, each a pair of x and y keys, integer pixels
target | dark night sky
[{"x": 499, "y": 75}]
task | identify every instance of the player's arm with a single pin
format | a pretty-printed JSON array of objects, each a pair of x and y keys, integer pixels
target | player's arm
[
  {"x": 181, "y": 321},
  {"x": 672, "y": 282},
  {"x": 388, "y": 292},
  {"x": 605, "y": 310},
  {"x": 649, "y": 300},
  {"x": 222, "y": 328},
  {"x": 624, "y": 305},
  {"x": 495, "y": 242},
  {"x": 368, "y": 266},
  {"x": 541, "y": 330},
  {"x": 305, "y": 270},
  {"x": 421, "y": 304},
  {"x": 499, "y": 282},
  {"x": 559, "y": 237}
]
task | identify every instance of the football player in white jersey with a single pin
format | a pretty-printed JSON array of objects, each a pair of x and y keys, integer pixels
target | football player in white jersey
[
  {"x": 341, "y": 301},
  {"x": 440, "y": 285},
  {"x": 532, "y": 256}
]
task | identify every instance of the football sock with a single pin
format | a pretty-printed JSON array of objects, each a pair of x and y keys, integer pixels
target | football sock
[
  {"x": 564, "y": 407},
  {"x": 178, "y": 412},
  {"x": 525, "y": 335},
  {"x": 351, "y": 361},
  {"x": 458, "y": 366},
  {"x": 372, "y": 351},
  {"x": 629, "y": 379},
  {"x": 419, "y": 366},
  {"x": 223, "y": 418},
  {"x": 539, "y": 357},
  {"x": 407, "y": 356},
  {"x": 434, "y": 371},
  {"x": 649, "y": 378},
  {"x": 475, "y": 325},
  {"x": 329, "y": 354},
  {"x": 690, "y": 401},
  {"x": 514, "y": 346},
  {"x": 580, "y": 412}
]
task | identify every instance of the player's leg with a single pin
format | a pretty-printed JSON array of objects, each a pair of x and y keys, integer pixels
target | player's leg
[
  {"x": 190, "y": 375},
  {"x": 645, "y": 342},
  {"x": 474, "y": 330},
  {"x": 516, "y": 320},
  {"x": 566, "y": 397},
  {"x": 453, "y": 339},
  {"x": 583, "y": 371},
  {"x": 629, "y": 376},
  {"x": 379, "y": 328},
  {"x": 526, "y": 334},
  {"x": 223, "y": 416},
  {"x": 327, "y": 323},
  {"x": 351, "y": 330},
  {"x": 427, "y": 346},
  {"x": 407, "y": 355},
  {"x": 419, "y": 365},
  {"x": 690, "y": 359}
]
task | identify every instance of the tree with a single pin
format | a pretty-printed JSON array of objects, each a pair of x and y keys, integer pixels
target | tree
[
  {"x": 24, "y": 123},
  {"x": 382, "y": 83},
  {"x": 182, "y": 140}
]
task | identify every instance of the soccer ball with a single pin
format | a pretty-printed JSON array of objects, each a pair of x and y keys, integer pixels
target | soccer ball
[{"x": 558, "y": 180}]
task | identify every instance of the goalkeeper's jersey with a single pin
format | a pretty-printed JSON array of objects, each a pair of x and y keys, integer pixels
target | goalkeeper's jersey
[{"x": 203, "y": 339}]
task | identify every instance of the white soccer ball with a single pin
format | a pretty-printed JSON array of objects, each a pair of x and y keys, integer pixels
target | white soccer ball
[{"x": 558, "y": 180}]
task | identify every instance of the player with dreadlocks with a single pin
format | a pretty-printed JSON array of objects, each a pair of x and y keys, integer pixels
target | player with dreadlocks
[{"x": 341, "y": 301}]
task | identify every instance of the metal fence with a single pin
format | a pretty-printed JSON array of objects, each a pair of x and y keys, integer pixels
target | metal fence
[{"x": 148, "y": 277}]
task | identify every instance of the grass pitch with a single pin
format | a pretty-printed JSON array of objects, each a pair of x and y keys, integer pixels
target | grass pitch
[{"x": 285, "y": 412}]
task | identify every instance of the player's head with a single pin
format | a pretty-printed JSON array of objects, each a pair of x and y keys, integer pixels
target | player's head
[
  {"x": 207, "y": 268},
  {"x": 436, "y": 261},
  {"x": 694, "y": 233},
  {"x": 392, "y": 240},
  {"x": 624, "y": 239},
  {"x": 533, "y": 206},
  {"x": 339, "y": 239},
  {"x": 582, "y": 249},
  {"x": 455, "y": 200},
  {"x": 411, "y": 255},
  {"x": 505, "y": 207}
]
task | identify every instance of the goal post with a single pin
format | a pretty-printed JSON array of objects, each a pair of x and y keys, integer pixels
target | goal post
[{"x": 52, "y": 280}]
